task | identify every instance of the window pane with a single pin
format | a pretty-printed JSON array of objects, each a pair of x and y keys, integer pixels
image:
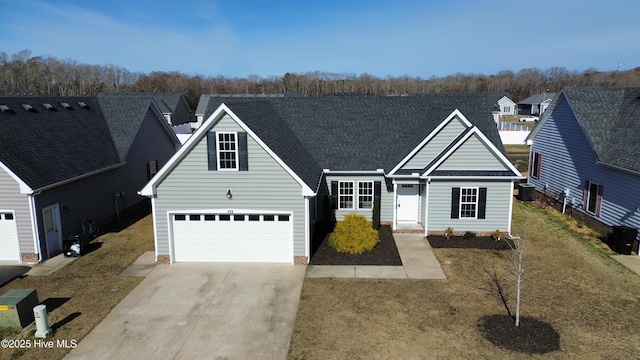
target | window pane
[
  {"x": 468, "y": 202},
  {"x": 269, "y": 217},
  {"x": 209, "y": 217},
  {"x": 194, "y": 217},
  {"x": 593, "y": 197},
  {"x": 227, "y": 150},
  {"x": 365, "y": 194},
  {"x": 254, "y": 217},
  {"x": 238, "y": 217},
  {"x": 345, "y": 197},
  {"x": 283, "y": 217},
  {"x": 180, "y": 217},
  {"x": 225, "y": 217}
]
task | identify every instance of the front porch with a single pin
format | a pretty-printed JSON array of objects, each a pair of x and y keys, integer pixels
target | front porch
[{"x": 409, "y": 228}]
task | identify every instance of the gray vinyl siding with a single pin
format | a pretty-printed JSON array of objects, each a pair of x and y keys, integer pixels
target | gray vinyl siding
[
  {"x": 472, "y": 155},
  {"x": 93, "y": 197},
  {"x": 438, "y": 143},
  {"x": 499, "y": 193},
  {"x": 386, "y": 198},
  {"x": 568, "y": 161},
  {"x": 11, "y": 199},
  {"x": 265, "y": 186}
]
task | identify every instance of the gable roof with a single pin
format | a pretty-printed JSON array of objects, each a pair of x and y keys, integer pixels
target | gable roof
[
  {"x": 610, "y": 118},
  {"x": 52, "y": 143},
  {"x": 537, "y": 99},
  {"x": 367, "y": 133}
]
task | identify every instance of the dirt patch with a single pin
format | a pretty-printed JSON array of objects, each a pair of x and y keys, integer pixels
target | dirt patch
[
  {"x": 532, "y": 336},
  {"x": 82, "y": 293},
  {"x": 384, "y": 253},
  {"x": 477, "y": 242}
]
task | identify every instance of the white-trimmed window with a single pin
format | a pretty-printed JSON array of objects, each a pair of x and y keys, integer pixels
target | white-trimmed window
[
  {"x": 468, "y": 203},
  {"x": 593, "y": 197},
  {"x": 227, "y": 151},
  {"x": 365, "y": 194},
  {"x": 535, "y": 165},
  {"x": 345, "y": 195}
]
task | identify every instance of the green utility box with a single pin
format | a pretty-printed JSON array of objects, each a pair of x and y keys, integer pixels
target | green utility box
[{"x": 16, "y": 307}]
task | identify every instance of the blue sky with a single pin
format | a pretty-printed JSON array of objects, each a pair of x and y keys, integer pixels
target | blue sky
[{"x": 237, "y": 38}]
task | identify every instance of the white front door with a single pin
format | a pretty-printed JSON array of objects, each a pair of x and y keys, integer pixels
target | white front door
[
  {"x": 407, "y": 202},
  {"x": 52, "y": 229}
]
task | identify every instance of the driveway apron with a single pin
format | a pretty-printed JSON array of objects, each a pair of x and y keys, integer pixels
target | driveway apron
[{"x": 190, "y": 311}]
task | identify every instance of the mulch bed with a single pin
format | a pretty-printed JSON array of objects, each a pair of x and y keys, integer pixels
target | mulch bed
[
  {"x": 477, "y": 242},
  {"x": 532, "y": 336},
  {"x": 385, "y": 253}
]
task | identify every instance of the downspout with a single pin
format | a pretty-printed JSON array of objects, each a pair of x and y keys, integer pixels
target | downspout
[
  {"x": 307, "y": 230},
  {"x": 510, "y": 207},
  {"x": 34, "y": 226},
  {"x": 426, "y": 209},
  {"x": 395, "y": 205}
]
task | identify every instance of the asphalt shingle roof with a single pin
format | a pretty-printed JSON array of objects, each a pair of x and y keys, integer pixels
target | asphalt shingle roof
[
  {"x": 610, "y": 116},
  {"x": 537, "y": 99},
  {"x": 46, "y": 146},
  {"x": 366, "y": 133}
]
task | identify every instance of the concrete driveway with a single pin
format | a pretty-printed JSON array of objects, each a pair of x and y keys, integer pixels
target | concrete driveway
[{"x": 192, "y": 311}]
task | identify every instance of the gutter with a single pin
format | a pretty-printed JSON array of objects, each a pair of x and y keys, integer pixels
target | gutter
[{"x": 64, "y": 182}]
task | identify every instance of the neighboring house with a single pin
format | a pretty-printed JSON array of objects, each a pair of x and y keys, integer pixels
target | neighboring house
[
  {"x": 203, "y": 103},
  {"x": 64, "y": 159},
  {"x": 175, "y": 107},
  {"x": 585, "y": 151},
  {"x": 535, "y": 104},
  {"x": 506, "y": 106},
  {"x": 256, "y": 177}
]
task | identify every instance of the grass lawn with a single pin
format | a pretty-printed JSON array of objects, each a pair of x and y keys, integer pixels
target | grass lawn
[
  {"x": 81, "y": 294},
  {"x": 519, "y": 155},
  {"x": 589, "y": 299}
]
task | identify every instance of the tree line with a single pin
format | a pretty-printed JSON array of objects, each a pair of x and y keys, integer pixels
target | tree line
[{"x": 44, "y": 75}]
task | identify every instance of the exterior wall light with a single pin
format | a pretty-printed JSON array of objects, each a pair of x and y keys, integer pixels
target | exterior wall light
[{"x": 229, "y": 194}]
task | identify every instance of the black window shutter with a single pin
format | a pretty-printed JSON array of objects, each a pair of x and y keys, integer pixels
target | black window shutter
[
  {"x": 455, "y": 203},
  {"x": 211, "y": 151},
  {"x": 377, "y": 188},
  {"x": 243, "y": 158},
  {"x": 482, "y": 203},
  {"x": 334, "y": 194}
]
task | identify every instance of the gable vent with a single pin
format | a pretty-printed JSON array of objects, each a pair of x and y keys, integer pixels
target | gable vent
[
  {"x": 83, "y": 104},
  {"x": 49, "y": 107},
  {"x": 66, "y": 106},
  {"x": 29, "y": 108}
]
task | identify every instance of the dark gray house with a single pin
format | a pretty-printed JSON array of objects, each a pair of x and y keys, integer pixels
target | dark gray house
[
  {"x": 536, "y": 104},
  {"x": 263, "y": 171},
  {"x": 585, "y": 151},
  {"x": 64, "y": 159}
]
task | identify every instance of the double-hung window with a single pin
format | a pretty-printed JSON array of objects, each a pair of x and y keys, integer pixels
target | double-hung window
[
  {"x": 365, "y": 194},
  {"x": 227, "y": 151},
  {"x": 345, "y": 194},
  {"x": 468, "y": 203}
]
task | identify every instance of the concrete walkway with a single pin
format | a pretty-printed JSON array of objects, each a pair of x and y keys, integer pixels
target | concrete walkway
[
  {"x": 418, "y": 262},
  {"x": 630, "y": 261},
  {"x": 201, "y": 311}
]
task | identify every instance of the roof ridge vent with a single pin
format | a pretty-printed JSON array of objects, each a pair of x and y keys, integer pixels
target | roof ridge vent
[
  {"x": 83, "y": 105},
  {"x": 66, "y": 106},
  {"x": 28, "y": 107},
  {"x": 4, "y": 108},
  {"x": 48, "y": 106}
]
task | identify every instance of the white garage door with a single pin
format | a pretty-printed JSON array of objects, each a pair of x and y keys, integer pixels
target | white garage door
[
  {"x": 9, "y": 249},
  {"x": 232, "y": 237}
]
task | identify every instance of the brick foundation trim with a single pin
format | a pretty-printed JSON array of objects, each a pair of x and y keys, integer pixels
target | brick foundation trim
[
  {"x": 300, "y": 260},
  {"x": 461, "y": 233},
  {"x": 163, "y": 259},
  {"x": 29, "y": 257}
]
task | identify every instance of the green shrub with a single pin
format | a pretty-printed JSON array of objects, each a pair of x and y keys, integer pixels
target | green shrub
[
  {"x": 469, "y": 235},
  {"x": 353, "y": 235}
]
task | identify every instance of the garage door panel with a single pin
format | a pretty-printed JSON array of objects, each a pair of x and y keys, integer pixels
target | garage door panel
[
  {"x": 9, "y": 248},
  {"x": 232, "y": 238}
]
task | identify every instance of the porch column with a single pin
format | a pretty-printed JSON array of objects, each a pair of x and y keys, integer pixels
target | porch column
[{"x": 395, "y": 206}]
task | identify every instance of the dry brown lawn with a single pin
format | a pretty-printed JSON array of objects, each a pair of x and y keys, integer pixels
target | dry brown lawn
[
  {"x": 592, "y": 301},
  {"x": 84, "y": 291}
]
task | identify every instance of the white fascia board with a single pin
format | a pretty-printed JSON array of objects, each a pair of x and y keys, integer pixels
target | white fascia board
[
  {"x": 454, "y": 114},
  {"x": 24, "y": 188},
  {"x": 354, "y": 172},
  {"x": 476, "y": 177},
  {"x": 150, "y": 189}
]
